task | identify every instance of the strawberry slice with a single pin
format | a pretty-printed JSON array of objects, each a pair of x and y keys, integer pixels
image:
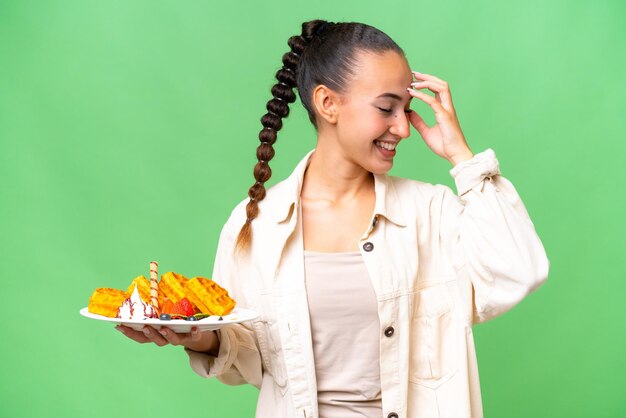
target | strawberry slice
[{"x": 183, "y": 307}]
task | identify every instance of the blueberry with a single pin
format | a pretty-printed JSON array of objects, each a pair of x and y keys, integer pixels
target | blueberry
[
  {"x": 220, "y": 319},
  {"x": 165, "y": 317},
  {"x": 192, "y": 318}
]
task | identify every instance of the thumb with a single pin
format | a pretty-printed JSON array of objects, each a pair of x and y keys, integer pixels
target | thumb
[
  {"x": 418, "y": 123},
  {"x": 195, "y": 334}
]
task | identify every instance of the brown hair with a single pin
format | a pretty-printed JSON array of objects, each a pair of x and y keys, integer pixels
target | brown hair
[{"x": 324, "y": 53}]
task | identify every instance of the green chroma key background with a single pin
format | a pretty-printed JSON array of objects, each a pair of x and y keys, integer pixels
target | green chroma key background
[{"x": 127, "y": 134}]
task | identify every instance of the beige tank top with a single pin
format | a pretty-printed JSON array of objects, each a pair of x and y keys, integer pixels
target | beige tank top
[{"x": 345, "y": 332}]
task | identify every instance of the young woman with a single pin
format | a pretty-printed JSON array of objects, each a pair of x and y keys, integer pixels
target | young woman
[{"x": 367, "y": 284}]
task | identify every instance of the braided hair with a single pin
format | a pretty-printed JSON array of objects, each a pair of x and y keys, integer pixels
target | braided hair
[{"x": 324, "y": 53}]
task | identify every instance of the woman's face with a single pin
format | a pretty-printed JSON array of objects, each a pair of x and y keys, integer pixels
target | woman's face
[{"x": 372, "y": 116}]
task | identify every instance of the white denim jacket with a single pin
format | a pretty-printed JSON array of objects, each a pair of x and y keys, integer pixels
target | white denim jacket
[{"x": 438, "y": 262}]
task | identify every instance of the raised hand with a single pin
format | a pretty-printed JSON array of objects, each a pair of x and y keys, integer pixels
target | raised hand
[{"x": 445, "y": 138}]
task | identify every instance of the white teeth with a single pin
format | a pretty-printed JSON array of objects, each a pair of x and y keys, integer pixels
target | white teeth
[{"x": 385, "y": 145}]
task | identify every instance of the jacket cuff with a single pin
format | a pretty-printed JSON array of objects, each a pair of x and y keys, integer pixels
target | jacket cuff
[
  {"x": 207, "y": 365},
  {"x": 468, "y": 174}
]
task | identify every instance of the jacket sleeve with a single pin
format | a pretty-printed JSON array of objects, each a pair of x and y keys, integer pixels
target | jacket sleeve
[
  {"x": 238, "y": 360},
  {"x": 494, "y": 242}
]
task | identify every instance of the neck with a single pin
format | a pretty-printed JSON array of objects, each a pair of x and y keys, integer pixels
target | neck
[{"x": 331, "y": 176}]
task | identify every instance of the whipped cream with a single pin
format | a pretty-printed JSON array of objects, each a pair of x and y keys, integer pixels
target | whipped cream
[{"x": 135, "y": 308}]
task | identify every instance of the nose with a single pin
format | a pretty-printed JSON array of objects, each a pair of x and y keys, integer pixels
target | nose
[{"x": 400, "y": 125}]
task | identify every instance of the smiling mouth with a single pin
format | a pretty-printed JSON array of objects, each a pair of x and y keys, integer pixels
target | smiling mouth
[{"x": 386, "y": 145}]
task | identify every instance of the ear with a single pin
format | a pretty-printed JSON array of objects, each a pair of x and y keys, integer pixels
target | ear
[{"x": 326, "y": 103}]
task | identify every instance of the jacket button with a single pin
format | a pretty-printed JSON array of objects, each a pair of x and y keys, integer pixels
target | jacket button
[
  {"x": 389, "y": 331},
  {"x": 375, "y": 221},
  {"x": 392, "y": 415},
  {"x": 368, "y": 246}
]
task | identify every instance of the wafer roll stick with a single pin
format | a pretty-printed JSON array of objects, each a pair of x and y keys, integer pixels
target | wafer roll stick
[{"x": 154, "y": 284}]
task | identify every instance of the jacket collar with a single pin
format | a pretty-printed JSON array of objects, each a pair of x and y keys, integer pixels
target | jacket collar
[{"x": 287, "y": 195}]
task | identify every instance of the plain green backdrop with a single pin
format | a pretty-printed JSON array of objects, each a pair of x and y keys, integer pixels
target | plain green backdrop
[{"x": 127, "y": 134}]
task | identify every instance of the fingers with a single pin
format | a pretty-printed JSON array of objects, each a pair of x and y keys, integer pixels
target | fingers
[
  {"x": 180, "y": 339},
  {"x": 433, "y": 86},
  {"x": 423, "y": 76},
  {"x": 160, "y": 337},
  {"x": 138, "y": 336},
  {"x": 437, "y": 86},
  {"x": 195, "y": 334},
  {"x": 428, "y": 99},
  {"x": 155, "y": 336},
  {"x": 146, "y": 335}
]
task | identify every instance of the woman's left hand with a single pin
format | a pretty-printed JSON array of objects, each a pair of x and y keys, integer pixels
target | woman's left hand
[{"x": 445, "y": 138}]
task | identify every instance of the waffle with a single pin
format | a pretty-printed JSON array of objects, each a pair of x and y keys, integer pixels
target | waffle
[
  {"x": 208, "y": 296},
  {"x": 143, "y": 286},
  {"x": 171, "y": 286},
  {"x": 105, "y": 301}
]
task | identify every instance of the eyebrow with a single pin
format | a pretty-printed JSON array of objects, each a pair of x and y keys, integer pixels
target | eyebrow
[{"x": 390, "y": 95}]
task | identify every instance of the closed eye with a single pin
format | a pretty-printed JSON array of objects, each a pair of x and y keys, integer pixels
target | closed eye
[{"x": 407, "y": 111}]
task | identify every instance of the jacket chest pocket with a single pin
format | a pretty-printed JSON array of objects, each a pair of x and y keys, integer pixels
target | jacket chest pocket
[{"x": 434, "y": 344}]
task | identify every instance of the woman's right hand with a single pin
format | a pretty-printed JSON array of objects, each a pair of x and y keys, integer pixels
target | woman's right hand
[{"x": 204, "y": 342}]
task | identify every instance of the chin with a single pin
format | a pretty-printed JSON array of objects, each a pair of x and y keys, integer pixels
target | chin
[{"x": 381, "y": 168}]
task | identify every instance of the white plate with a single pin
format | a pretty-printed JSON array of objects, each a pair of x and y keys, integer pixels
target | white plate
[{"x": 180, "y": 325}]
